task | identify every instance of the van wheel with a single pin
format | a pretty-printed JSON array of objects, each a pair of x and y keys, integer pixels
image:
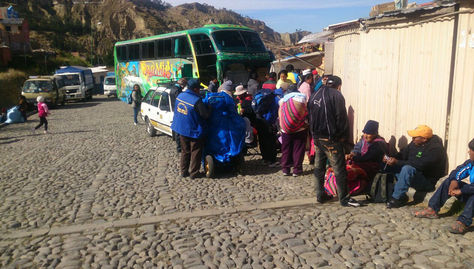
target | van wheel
[
  {"x": 209, "y": 166},
  {"x": 149, "y": 128}
]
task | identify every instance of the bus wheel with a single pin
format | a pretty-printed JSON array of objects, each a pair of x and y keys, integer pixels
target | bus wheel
[
  {"x": 149, "y": 128},
  {"x": 209, "y": 166}
]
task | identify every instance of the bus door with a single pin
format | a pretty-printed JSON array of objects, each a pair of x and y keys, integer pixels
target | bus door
[{"x": 205, "y": 56}]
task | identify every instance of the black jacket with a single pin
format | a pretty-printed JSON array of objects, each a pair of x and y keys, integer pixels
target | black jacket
[
  {"x": 328, "y": 115},
  {"x": 429, "y": 158}
]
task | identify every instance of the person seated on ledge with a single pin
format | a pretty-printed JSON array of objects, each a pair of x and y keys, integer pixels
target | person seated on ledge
[
  {"x": 369, "y": 151},
  {"x": 454, "y": 186},
  {"x": 419, "y": 165}
]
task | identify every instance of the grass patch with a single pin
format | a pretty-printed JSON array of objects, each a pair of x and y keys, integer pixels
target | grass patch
[{"x": 11, "y": 82}]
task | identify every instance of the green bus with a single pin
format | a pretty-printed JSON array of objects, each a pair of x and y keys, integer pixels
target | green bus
[{"x": 218, "y": 50}]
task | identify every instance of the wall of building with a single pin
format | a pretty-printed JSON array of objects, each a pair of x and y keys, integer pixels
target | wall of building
[
  {"x": 461, "y": 127},
  {"x": 401, "y": 73}
]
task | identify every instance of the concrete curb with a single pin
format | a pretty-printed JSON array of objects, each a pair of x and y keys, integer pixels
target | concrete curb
[{"x": 99, "y": 226}]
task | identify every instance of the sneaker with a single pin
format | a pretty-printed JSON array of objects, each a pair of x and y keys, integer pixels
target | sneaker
[
  {"x": 286, "y": 174},
  {"x": 396, "y": 203},
  {"x": 296, "y": 175},
  {"x": 135, "y": 123},
  {"x": 45, "y": 132},
  {"x": 351, "y": 202},
  {"x": 273, "y": 165}
]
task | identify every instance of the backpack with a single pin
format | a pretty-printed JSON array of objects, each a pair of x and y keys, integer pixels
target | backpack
[
  {"x": 263, "y": 101},
  {"x": 129, "y": 98},
  {"x": 382, "y": 188},
  {"x": 265, "y": 105}
]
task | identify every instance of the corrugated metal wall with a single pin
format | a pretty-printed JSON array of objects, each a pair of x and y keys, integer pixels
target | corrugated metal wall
[
  {"x": 346, "y": 65},
  {"x": 461, "y": 127},
  {"x": 400, "y": 76}
]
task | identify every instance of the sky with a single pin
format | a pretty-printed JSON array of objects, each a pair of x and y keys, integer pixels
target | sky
[{"x": 289, "y": 15}]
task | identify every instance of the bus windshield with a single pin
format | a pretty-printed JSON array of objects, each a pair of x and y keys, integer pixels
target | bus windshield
[
  {"x": 71, "y": 80},
  {"x": 238, "y": 41},
  {"x": 37, "y": 86}
]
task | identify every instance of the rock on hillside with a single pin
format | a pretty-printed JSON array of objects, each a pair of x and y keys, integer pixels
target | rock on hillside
[{"x": 73, "y": 25}]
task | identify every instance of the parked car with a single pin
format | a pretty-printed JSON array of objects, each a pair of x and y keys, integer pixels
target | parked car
[
  {"x": 157, "y": 110},
  {"x": 50, "y": 87}
]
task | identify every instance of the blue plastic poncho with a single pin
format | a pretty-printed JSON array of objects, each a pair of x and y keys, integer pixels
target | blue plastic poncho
[{"x": 226, "y": 133}]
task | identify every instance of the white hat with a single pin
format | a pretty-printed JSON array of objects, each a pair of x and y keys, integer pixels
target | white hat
[
  {"x": 306, "y": 72},
  {"x": 239, "y": 90}
]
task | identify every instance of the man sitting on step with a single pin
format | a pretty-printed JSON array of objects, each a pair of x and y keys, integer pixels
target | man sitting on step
[{"x": 454, "y": 186}]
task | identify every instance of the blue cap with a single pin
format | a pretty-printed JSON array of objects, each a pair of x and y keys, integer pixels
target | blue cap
[{"x": 193, "y": 84}]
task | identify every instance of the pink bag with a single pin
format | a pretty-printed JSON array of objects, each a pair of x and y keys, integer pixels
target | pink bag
[{"x": 357, "y": 180}]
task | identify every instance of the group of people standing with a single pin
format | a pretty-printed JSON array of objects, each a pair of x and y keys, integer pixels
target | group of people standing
[{"x": 302, "y": 112}]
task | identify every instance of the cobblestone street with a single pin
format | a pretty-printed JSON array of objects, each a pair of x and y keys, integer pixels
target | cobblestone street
[{"x": 98, "y": 192}]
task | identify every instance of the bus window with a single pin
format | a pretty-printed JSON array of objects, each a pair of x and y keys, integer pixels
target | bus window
[
  {"x": 253, "y": 42},
  {"x": 133, "y": 52},
  {"x": 202, "y": 44},
  {"x": 148, "y": 50},
  {"x": 167, "y": 50},
  {"x": 181, "y": 47},
  {"x": 229, "y": 41},
  {"x": 122, "y": 53}
]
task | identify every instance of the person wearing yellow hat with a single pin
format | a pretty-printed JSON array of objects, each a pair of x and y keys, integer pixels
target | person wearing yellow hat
[{"x": 419, "y": 165}]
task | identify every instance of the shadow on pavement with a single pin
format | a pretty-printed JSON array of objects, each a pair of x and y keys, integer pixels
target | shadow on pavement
[
  {"x": 256, "y": 167},
  {"x": 9, "y": 142},
  {"x": 40, "y": 132},
  {"x": 80, "y": 105}
]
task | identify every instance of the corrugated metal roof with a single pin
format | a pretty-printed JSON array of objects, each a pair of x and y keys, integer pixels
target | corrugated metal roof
[
  {"x": 417, "y": 9},
  {"x": 316, "y": 37}
]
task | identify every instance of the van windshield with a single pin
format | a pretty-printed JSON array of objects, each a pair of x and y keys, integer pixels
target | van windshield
[
  {"x": 109, "y": 81},
  {"x": 71, "y": 80},
  {"x": 35, "y": 86}
]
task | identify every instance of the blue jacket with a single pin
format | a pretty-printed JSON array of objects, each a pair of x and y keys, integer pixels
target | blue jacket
[
  {"x": 186, "y": 120},
  {"x": 462, "y": 171}
]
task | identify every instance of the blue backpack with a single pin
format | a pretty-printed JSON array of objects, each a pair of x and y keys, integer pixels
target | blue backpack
[{"x": 265, "y": 105}]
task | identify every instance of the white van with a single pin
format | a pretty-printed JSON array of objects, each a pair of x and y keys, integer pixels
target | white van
[{"x": 110, "y": 89}]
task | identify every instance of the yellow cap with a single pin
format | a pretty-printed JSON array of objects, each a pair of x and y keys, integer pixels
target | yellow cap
[{"x": 421, "y": 130}]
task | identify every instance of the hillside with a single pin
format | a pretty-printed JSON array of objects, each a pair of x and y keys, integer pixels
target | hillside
[{"x": 85, "y": 26}]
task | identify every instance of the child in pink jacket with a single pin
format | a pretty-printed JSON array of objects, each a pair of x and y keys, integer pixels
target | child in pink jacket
[{"x": 43, "y": 112}]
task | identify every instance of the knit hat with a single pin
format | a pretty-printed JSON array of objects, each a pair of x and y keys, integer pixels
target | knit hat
[
  {"x": 421, "y": 130},
  {"x": 471, "y": 145},
  {"x": 40, "y": 99},
  {"x": 193, "y": 84},
  {"x": 371, "y": 127},
  {"x": 227, "y": 85}
]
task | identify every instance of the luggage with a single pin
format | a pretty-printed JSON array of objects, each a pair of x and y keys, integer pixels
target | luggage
[
  {"x": 382, "y": 188},
  {"x": 357, "y": 180}
]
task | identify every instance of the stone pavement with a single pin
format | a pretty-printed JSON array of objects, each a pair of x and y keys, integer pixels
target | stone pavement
[{"x": 97, "y": 192}]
